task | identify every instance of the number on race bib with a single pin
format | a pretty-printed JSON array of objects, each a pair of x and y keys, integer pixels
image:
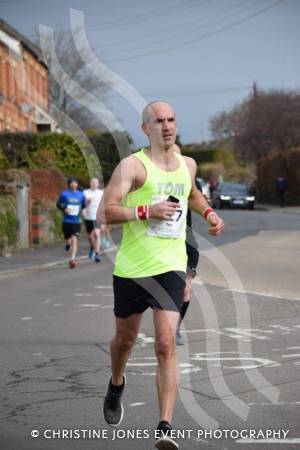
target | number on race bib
[
  {"x": 73, "y": 210},
  {"x": 172, "y": 228}
]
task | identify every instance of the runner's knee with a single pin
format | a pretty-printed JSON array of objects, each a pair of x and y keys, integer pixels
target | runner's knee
[
  {"x": 165, "y": 346},
  {"x": 125, "y": 341}
]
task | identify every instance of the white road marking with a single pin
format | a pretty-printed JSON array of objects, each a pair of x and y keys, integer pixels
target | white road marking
[
  {"x": 89, "y": 305},
  {"x": 191, "y": 370},
  {"x": 144, "y": 340},
  {"x": 196, "y": 331},
  {"x": 292, "y": 355},
  {"x": 260, "y": 362},
  {"x": 103, "y": 287},
  {"x": 138, "y": 404},
  {"x": 230, "y": 352},
  {"x": 25, "y": 318},
  {"x": 274, "y": 404},
  {"x": 260, "y": 294},
  {"x": 82, "y": 294},
  {"x": 56, "y": 304},
  {"x": 244, "y": 334},
  {"x": 184, "y": 368},
  {"x": 195, "y": 281},
  {"x": 41, "y": 355},
  {"x": 142, "y": 364},
  {"x": 248, "y": 332},
  {"x": 48, "y": 300},
  {"x": 144, "y": 357}
]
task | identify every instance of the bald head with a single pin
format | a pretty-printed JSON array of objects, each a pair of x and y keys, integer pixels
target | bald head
[
  {"x": 154, "y": 108},
  {"x": 159, "y": 124}
]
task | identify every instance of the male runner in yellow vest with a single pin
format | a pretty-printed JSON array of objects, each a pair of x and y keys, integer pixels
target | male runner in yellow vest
[{"x": 149, "y": 193}]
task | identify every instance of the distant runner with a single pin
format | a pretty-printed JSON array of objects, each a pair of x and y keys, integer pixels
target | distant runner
[
  {"x": 71, "y": 202},
  {"x": 92, "y": 199}
]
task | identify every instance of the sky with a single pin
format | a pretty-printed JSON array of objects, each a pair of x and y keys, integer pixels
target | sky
[{"x": 202, "y": 56}]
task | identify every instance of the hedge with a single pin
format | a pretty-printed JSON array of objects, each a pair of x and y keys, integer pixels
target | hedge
[
  {"x": 60, "y": 151},
  {"x": 279, "y": 163},
  {"x": 9, "y": 225}
]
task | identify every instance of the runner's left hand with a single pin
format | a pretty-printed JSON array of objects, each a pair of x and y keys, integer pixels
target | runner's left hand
[{"x": 216, "y": 224}]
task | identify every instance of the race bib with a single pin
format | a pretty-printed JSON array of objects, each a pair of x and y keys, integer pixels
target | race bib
[
  {"x": 73, "y": 210},
  {"x": 172, "y": 228}
]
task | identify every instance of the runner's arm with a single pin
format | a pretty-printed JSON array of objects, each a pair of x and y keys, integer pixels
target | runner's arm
[
  {"x": 110, "y": 210},
  {"x": 122, "y": 180},
  {"x": 198, "y": 203},
  {"x": 83, "y": 202},
  {"x": 61, "y": 203}
]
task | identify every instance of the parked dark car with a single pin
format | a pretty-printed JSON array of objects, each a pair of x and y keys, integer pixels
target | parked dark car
[{"x": 232, "y": 195}]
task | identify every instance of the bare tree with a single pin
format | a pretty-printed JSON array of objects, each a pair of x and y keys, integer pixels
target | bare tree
[{"x": 267, "y": 120}]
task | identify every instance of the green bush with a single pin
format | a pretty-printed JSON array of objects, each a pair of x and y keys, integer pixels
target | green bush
[
  {"x": 4, "y": 164},
  {"x": 56, "y": 229},
  {"x": 9, "y": 227},
  {"x": 62, "y": 152},
  {"x": 200, "y": 156},
  {"x": 225, "y": 157}
]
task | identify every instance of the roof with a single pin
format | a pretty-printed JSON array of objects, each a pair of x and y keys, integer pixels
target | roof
[{"x": 30, "y": 46}]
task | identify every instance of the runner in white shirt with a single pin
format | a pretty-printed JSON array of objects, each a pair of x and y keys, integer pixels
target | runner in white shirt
[{"x": 93, "y": 197}]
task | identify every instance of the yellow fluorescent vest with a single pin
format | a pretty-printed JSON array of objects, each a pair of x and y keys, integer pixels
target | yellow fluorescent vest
[{"x": 148, "y": 247}]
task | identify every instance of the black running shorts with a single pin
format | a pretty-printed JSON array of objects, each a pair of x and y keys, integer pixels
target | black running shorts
[
  {"x": 71, "y": 229},
  {"x": 135, "y": 295},
  {"x": 91, "y": 225}
]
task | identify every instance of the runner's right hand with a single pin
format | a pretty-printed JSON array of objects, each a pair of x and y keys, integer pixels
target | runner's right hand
[{"x": 163, "y": 210}]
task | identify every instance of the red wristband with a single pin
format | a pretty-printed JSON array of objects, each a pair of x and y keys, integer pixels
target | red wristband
[
  {"x": 207, "y": 211},
  {"x": 142, "y": 212}
]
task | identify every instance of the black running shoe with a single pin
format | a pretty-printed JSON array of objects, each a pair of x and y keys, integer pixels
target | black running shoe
[
  {"x": 113, "y": 410},
  {"x": 163, "y": 437}
]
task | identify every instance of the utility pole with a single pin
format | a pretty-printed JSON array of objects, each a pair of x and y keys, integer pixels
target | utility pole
[{"x": 254, "y": 91}]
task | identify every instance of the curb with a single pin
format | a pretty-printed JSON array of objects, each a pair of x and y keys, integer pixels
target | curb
[
  {"x": 41, "y": 267},
  {"x": 277, "y": 209}
]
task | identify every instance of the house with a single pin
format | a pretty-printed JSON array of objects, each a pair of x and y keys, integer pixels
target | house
[{"x": 23, "y": 84}]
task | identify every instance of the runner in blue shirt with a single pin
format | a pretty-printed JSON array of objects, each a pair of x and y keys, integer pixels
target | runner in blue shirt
[{"x": 71, "y": 202}]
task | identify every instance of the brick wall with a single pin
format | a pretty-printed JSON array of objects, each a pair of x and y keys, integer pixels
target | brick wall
[
  {"x": 45, "y": 187},
  {"x": 22, "y": 80},
  {"x": 46, "y": 184}
]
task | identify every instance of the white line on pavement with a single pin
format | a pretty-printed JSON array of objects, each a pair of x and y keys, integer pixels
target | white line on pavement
[
  {"x": 137, "y": 404},
  {"x": 103, "y": 287},
  {"x": 83, "y": 294},
  {"x": 282, "y": 403},
  {"x": 260, "y": 294}
]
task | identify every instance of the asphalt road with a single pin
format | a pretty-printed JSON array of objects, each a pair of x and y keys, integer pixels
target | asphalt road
[{"x": 239, "y": 371}]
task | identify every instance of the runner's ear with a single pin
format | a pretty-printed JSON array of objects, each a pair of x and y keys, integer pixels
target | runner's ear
[{"x": 145, "y": 128}]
